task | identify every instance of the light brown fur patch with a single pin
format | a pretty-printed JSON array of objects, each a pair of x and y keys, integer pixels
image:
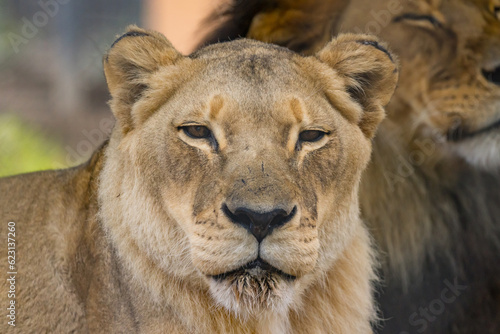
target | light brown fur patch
[{"x": 431, "y": 192}]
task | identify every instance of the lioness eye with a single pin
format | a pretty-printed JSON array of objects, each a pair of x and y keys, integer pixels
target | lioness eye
[
  {"x": 197, "y": 131},
  {"x": 496, "y": 10},
  {"x": 311, "y": 135}
]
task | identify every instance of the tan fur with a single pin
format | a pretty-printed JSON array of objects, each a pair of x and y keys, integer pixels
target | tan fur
[
  {"x": 133, "y": 241},
  {"x": 441, "y": 98},
  {"x": 430, "y": 194},
  {"x": 290, "y": 22}
]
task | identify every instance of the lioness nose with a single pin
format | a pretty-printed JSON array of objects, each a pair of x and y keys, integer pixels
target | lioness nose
[
  {"x": 493, "y": 76},
  {"x": 260, "y": 224}
]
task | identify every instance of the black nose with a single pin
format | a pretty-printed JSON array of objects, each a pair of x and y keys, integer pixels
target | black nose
[
  {"x": 493, "y": 76},
  {"x": 260, "y": 224}
]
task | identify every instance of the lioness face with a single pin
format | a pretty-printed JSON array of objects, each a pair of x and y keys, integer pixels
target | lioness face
[
  {"x": 258, "y": 157},
  {"x": 249, "y": 161},
  {"x": 449, "y": 90}
]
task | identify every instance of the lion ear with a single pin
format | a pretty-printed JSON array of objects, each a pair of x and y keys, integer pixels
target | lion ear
[
  {"x": 370, "y": 73},
  {"x": 128, "y": 65}
]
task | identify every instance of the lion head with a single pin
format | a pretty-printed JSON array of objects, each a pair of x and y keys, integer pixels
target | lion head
[
  {"x": 235, "y": 170},
  {"x": 450, "y": 82}
]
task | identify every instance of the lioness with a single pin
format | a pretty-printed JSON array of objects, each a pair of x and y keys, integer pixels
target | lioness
[
  {"x": 431, "y": 194},
  {"x": 224, "y": 202}
]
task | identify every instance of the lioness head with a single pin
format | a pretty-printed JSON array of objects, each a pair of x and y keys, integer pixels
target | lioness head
[{"x": 235, "y": 170}]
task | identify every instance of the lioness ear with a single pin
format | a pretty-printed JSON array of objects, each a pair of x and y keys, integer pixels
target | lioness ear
[
  {"x": 370, "y": 72},
  {"x": 128, "y": 65}
]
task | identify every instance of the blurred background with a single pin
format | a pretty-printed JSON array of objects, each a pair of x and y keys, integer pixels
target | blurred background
[{"x": 53, "y": 96}]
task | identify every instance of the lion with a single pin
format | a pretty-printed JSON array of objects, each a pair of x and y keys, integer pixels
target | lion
[
  {"x": 225, "y": 201},
  {"x": 430, "y": 194}
]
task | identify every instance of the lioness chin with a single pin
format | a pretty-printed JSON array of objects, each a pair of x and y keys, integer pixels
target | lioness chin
[{"x": 225, "y": 200}]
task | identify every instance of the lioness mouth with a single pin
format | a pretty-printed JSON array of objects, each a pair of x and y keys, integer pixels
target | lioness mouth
[
  {"x": 257, "y": 266},
  {"x": 255, "y": 286}
]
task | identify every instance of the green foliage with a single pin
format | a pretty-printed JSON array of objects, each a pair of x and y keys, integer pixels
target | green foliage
[{"x": 25, "y": 149}]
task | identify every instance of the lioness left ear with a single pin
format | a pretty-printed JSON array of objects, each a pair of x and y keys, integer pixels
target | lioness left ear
[
  {"x": 128, "y": 65},
  {"x": 370, "y": 73}
]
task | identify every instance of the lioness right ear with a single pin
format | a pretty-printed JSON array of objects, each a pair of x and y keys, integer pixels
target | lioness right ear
[
  {"x": 128, "y": 65},
  {"x": 370, "y": 72}
]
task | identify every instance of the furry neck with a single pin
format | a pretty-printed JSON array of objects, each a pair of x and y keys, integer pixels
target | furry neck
[
  {"x": 418, "y": 208},
  {"x": 339, "y": 302}
]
